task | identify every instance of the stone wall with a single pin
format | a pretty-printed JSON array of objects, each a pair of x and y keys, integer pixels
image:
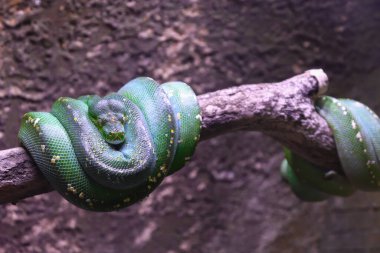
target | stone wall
[{"x": 230, "y": 197}]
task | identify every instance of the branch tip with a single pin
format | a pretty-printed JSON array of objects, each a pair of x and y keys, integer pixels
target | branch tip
[{"x": 322, "y": 78}]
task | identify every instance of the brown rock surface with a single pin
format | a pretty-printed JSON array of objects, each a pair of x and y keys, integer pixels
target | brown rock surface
[{"x": 230, "y": 197}]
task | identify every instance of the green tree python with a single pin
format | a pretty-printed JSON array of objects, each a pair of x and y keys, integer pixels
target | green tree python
[
  {"x": 356, "y": 131},
  {"x": 103, "y": 154}
]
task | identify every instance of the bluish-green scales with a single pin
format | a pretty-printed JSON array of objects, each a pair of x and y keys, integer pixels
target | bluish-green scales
[{"x": 103, "y": 154}]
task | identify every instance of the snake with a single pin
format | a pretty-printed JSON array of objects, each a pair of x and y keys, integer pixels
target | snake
[
  {"x": 355, "y": 129},
  {"x": 107, "y": 153}
]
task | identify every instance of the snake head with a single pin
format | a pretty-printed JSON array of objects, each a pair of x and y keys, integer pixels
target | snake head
[
  {"x": 109, "y": 115},
  {"x": 113, "y": 132}
]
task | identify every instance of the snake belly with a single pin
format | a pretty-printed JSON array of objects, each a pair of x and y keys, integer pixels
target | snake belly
[
  {"x": 161, "y": 124},
  {"x": 356, "y": 131}
]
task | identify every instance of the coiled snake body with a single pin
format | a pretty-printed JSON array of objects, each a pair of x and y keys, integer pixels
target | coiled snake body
[
  {"x": 356, "y": 130},
  {"x": 103, "y": 154}
]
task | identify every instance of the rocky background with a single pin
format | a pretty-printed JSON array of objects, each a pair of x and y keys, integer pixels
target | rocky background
[{"x": 230, "y": 197}]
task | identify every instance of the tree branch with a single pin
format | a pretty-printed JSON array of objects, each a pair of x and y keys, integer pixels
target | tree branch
[{"x": 284, "y": 111}]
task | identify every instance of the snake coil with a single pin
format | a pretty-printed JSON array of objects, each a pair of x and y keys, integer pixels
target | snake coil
[
  {"x": 356, "y": 131},
  {"x": 103, "y": 154}
]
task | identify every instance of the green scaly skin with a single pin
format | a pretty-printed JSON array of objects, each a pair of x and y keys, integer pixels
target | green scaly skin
[
  {"x": 300, "y": 187},
  {"x": 356, "y": 131},
  {"x": 103, "y": 154}
]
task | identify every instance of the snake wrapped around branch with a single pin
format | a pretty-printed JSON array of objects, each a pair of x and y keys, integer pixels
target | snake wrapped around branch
[
  {"x": 356, "y": 130},
  {"x": 103, "y": 154}
]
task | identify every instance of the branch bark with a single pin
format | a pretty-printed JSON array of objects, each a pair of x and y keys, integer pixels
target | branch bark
[{"x": 283, "y": 110}]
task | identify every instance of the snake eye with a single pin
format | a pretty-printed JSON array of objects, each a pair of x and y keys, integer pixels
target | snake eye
[
  {"x": 124, "y": 119},
  {"x": 101, "y": 121}
]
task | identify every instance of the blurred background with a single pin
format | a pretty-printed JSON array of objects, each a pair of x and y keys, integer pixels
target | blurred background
[{"x": 230, "y": 197}]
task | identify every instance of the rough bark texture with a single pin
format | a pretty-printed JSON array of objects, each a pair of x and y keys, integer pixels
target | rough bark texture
[
  {"x": 283, "y": 110},
  {"x": 19, "y": 177},
  {"x": 230, "y": 198}
]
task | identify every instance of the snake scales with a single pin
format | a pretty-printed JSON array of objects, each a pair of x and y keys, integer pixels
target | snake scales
[
  {"x": 103, "y": 154},
  {"x": 356, "y": 131}
]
